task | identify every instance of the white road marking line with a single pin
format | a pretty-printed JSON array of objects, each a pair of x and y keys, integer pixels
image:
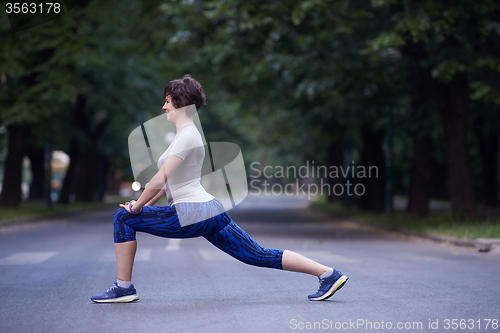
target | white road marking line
[
  {"x": 27, "y": 258},
  {"x": 215, "y": 255},
  {"x": 324, "y": 256},
  {"x": 173, "y": 244}
]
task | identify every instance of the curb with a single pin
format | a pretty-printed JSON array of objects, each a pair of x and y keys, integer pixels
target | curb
[
  {"x": 481, "y": 244},
  {"x": 487, "y": 244}
]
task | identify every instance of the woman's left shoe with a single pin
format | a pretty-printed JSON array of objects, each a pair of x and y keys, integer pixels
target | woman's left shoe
[
  {"x": 116, "y": 294},
  {"x": 329, "y": 286}
]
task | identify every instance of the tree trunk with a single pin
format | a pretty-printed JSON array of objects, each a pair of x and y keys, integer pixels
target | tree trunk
[
  {"x": 420, "y": 81},
  {"x": 114, "y": 179},
  {"x": 487, "y": 140},
  {"x": 83, "y": 173},
  {"x": 37, "y": 161},
  {"x": 87, "y": 170},
  {"x": 420, "y": 174},
  {"x": 372, "y": 155},
  {"x": 453, "y": 103},
  {"x": 439, "y": 181},
  {"x": 78, "y": 120},
  {"x": 11, "y": 195},
  {"x": 87, "y": 175},
  {"x": 102, "y": 179}
]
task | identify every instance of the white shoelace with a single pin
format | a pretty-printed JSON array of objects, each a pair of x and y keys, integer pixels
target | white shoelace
[{"x": 111, "y": 288}]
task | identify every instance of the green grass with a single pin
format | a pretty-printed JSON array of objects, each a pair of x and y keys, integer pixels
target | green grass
[
  {"x": 38, "y": 209},
  {"x": 443, "y": 224}
]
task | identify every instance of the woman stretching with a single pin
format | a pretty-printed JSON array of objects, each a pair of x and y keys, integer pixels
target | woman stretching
[{"x": 193, "y": 211}]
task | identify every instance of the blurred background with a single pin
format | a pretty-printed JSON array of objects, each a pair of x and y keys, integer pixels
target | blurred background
[{"x": 412, "y": 87}]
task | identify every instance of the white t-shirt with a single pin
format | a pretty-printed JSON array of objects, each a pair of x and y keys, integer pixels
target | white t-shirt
[{"x": 184, "y": 183}]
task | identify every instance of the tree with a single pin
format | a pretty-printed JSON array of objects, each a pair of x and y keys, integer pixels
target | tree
[
  {"x": 456, "y": 44},
  {"x": 92, "y": 71}
]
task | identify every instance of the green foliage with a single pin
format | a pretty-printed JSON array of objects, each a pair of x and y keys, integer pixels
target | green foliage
[
  {"x": 284, "y": 79},
  {"x": 457, "y": 35},
  {"x": 92, "y": 51}
]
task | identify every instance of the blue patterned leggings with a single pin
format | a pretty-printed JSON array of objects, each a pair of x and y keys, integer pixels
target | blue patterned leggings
[{"x": 220, "y": 230}]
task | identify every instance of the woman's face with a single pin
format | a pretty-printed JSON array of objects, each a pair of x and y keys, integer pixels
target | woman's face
[{"x": 169, "y": 108}]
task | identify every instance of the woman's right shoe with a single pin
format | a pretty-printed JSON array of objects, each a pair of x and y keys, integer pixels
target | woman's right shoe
[
  {"x": 329, "y": 285},
  {"x": 116, "y": 294}
]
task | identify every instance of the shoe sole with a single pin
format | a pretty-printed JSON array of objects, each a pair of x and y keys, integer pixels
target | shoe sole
[
  {"x": 123, "y": 299},
  {"x": 333, "y": 289}
]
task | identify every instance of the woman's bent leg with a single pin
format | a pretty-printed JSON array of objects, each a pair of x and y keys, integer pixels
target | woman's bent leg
[
  {"x": 125, "y": 254},
  {"x": 159, "y": 221},
  {"x": 155, "y": 221}
]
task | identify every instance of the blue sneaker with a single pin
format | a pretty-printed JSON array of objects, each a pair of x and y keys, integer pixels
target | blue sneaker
[
  {"x": 116, "y": 294},
  {"x": 328, "y": 286}
]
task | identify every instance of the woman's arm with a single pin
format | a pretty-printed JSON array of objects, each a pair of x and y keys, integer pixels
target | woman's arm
[
  {"x": 156, "y": 198},
  {"x": 157, "y": 183}
]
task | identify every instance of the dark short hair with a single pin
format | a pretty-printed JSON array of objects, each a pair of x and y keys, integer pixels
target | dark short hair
[{"x": 186, "y": 91}]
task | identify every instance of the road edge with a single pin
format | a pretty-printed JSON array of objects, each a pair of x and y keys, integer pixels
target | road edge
[
  {"x": 7, "y": 225},
  {"x": 480, "y": 244}
]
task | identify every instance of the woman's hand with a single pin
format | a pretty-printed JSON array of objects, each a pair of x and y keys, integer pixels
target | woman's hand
[
  {"x": 127, "y": 206},
  {"x": 155, "y": 188}
]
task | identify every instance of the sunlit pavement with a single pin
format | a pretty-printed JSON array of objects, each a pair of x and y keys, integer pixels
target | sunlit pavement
[{"x": 49, "y": 271}]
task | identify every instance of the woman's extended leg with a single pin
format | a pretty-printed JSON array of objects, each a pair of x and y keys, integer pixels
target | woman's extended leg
[
  {"x": 298, "y": 263},
  {"x": 237, "y": 243}
]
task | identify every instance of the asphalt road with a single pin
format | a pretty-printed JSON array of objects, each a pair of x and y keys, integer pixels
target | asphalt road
[{"x": 48, "y": 272}]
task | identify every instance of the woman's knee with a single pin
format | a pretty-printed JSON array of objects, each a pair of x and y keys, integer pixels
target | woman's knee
[
  {"x": 120, "y": 218},
  {"x": 122, "y": 231},
  {"x": 120, "y": 214}
]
